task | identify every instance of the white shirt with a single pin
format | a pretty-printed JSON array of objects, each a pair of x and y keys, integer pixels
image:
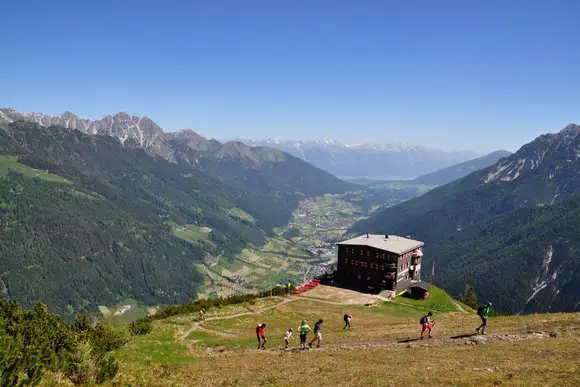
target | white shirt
[{"x": 287, "y": 335}]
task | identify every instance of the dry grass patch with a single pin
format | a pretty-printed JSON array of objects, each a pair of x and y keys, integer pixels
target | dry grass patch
[{"x": 538, "y": 363}]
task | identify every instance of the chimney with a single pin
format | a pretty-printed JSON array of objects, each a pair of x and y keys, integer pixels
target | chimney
[
  {"x": 408, "y": 237},
  {"x": 367, "y": 235},
  {"x": 386, "y": 236}
]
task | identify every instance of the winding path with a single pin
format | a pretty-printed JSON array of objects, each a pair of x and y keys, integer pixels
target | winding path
[{"x": 197, "y": 325}]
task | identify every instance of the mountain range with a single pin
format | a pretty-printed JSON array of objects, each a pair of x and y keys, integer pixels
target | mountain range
[
  {"x": 266, "y": 172},
  {"x": 93, "y": 212},
  {"x": 501, "y": 228},
  {"x": 89, "y": 211},
  {"x": 354, "y": 161}
]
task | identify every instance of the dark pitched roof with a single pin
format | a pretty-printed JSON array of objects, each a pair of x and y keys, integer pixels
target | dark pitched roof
[{"x": 420, "y": 284}]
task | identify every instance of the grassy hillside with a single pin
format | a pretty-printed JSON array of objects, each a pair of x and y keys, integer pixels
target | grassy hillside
[{"x": 380, "y": 345}]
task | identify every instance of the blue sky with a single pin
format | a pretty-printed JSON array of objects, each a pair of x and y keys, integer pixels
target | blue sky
[{"x": 478, "y": 75}]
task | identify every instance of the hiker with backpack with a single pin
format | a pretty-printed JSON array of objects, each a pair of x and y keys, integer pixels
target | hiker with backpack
[
  {"x": 303, "y": 329},
  {"x": 317, "y": 334},
  {"x": 483, "y": 312},
  {"x": 426, "y": 324},
  {"x": 261, "y": 334},
  {"x": 347, "y": 320}
]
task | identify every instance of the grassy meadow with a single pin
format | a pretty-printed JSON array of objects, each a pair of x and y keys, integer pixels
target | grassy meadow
[{"x": 381, "y": 348}]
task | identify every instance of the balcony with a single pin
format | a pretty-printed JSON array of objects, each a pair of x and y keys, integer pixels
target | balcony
[
  {"x": 417, "y": 254},
  {"x": 391, "y": 267}
]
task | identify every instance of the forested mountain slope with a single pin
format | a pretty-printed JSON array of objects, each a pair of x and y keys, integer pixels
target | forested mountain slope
[
  {"x": 270, "y": 174},
  {"x": 266, "y": 172},
  {"x": 541, "y": 173},
  {"x": 457, "y": 171},
  {"x": 85, "y": 220},
  {"x": 526, "y": 261}
]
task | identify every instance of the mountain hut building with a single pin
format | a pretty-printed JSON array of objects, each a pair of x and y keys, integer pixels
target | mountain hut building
[{"x": 379, "y": 262}]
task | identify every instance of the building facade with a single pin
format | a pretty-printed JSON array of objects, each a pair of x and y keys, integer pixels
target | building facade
[{"x": 379, "y": 262}]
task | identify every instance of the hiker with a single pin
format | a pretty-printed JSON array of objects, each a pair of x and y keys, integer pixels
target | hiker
[
  {"x": 483, "y": 312},
  {"x": 303, "y": 329},
  {"x": 426, "y": 324},
  {"x": 347, "y": 320},
  {"x": 261, "y": 333},
  {"x": 202, "y": 314},
  {"x": 317, "y": 334},
  {"x": 287, "y": 337}
]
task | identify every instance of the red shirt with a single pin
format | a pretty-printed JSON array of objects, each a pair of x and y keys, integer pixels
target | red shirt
[{"x": 261, "y": 331}]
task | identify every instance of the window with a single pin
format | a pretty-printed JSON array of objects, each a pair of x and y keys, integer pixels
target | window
[
  {"x": 361, "y": 252},
  {"x": 382, "y": 267},
  {"x": 377, "y": 255},
  {"x": 368, "y": 253},
  {"x": 368, "y": 278}
]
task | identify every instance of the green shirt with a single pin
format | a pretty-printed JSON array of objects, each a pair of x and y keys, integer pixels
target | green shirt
[
  {"x": 485, "y": 311},
  {"x": 304, "y": 329}
]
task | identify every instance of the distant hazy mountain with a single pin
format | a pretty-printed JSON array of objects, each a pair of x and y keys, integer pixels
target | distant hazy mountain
[
  {"x": 454, "y": 172},
  {"x": 350, "y": 161},
  {"x": 511, "y": 229}
]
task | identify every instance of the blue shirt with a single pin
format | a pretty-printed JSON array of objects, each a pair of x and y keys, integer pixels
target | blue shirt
[{"x": 317, "y": 327}]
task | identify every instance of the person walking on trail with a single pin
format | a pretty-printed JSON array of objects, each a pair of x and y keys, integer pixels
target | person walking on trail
[
  {"x": 303, "y": 329},
  {"x": 287, "y": 337},
  {"x": 202, "y": 314},
  {"x": 347, "y": 320},
  {"x": 317, "y": 334},
  {"x": 426, "y": 324},
  {"x": 261, "y": 334},
  {"x": 483, "y": 312}
]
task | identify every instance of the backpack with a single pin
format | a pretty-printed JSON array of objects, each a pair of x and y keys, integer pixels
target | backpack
[
  {"x": 423, "y": 320},
  {"x": 480, "y": 310}
]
